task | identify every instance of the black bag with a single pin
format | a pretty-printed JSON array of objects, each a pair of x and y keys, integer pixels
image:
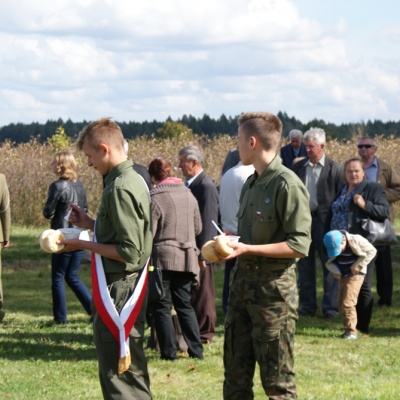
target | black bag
[
  {"x": 379, "y": 233},
  {"x": 155, "y": 286}
]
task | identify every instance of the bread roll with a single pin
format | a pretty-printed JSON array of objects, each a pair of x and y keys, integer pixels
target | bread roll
[
  {"x": 208, "y": 251},
  {"x": 221, "y": 245},
  {"x": 48, "y": 240}
]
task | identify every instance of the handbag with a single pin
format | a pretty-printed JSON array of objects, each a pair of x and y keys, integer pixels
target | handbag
[
  {"x": 155, "y": 288},
  {"x": 379, "y": 233}
]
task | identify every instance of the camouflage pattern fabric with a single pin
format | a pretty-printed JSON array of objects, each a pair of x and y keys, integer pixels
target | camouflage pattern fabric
[{"x": 259, "y": 327}]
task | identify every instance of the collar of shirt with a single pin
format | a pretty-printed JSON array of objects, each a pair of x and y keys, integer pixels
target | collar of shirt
[
  {"x": 189, "y": 181},
  {"x": 320, "y": 162},
  {"x": 116, "y": 171},
  {"x": 267, "y": 173}
]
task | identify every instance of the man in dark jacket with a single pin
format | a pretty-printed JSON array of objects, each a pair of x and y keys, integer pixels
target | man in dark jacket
[
  {"x": 323, "y": 178},
  {"x": 378, "y": 170},
  {"x": 294, "y": 149},
  {"x": 205, "y": 191}
]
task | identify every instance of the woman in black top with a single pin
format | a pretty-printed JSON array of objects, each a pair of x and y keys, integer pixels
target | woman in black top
[{"x": 65, "y": 190}]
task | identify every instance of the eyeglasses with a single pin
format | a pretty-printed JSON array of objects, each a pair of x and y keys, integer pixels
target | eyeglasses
[{"x": 367, "y": 146}]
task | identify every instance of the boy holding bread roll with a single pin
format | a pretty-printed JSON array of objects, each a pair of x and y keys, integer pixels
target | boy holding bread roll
[
  {"x": 274, "y": 224},
  {"x": 122, "y": 247}
]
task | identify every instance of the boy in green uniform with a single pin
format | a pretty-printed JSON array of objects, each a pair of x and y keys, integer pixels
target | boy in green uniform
[
  {"x": 274, "y": 224},
  {"x": 124, "y": 242}
]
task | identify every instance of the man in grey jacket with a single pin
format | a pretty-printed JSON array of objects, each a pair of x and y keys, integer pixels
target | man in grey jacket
[
  {"x": 204, "y": 190},
  {"x": 323, "y": 178}
]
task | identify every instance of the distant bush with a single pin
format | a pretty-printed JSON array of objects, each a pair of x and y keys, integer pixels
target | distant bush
[{"x": 27, "y": 167}]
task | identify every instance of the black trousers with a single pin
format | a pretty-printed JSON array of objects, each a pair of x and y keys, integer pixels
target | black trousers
[
  {"x": 384, "y": 275},
  {"x": 365, "y": 302},
  {"x": 177, "y": 286}
]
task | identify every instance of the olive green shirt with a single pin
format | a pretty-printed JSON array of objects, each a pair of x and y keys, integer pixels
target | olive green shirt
[
  {"x": 274, "y": 207},
  {"x": 124, "y": 219}
]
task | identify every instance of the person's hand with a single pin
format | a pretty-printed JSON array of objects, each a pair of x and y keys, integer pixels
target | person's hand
[
  {"x": 356, "y": 269},
  {"x": 79, "y": 218},
  {"x": 359, "y": 201},
  {"x": 238, "y": 249},
  {"x": 337, "y": 276},
  {"x": 70, "y": 245},
  {"x": 202, "y": 264}
]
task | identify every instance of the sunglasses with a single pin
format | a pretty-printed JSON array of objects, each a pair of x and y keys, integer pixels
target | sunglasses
[{"x": 367, "y": 146}]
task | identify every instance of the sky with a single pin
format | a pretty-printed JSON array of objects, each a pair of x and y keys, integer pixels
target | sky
[{"x": 137, "y": 60}]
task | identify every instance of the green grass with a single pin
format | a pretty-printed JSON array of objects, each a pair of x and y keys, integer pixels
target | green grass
[{"x": 42, "y": 361}]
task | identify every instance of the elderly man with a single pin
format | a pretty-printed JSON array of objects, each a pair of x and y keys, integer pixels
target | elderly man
[
  {"x": 294, "y": 149},
  {"x": 323, "y": 178},
  {"x": 206, "y": 193},
  {"x": 378, "y": 170}
]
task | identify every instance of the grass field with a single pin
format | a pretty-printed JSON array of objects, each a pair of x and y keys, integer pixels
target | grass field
[{"x": 41, "y": 361}]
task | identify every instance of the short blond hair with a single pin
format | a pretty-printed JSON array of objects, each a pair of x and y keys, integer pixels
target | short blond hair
[
  {"x": 66, "y": 165},
  {"x": 105, "y": 131},
  {"x": 266, "y": 126}
]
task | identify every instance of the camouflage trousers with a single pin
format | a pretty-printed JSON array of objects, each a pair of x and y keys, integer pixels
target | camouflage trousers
[{"x": 259, "y": 327}]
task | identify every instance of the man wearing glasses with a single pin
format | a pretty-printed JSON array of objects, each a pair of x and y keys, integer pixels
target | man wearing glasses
[{"x": 378, "y": 170}]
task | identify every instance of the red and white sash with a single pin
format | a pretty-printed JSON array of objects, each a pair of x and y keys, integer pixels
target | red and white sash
[{"x": 121, "y": 324}]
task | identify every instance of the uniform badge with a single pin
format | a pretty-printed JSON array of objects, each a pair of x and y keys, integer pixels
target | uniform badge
[{"x": 267, "y": 200}]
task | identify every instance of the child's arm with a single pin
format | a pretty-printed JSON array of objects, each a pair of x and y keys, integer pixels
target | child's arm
[{"x": 364, "y": 250}]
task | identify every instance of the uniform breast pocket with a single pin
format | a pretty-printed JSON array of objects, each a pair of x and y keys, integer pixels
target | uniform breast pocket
[
  {"x": 267, "y": 211},
  {"x": 266, "y": 225},
  {"x": 102, "y": 214},
  {"x": 267, "y": 215},
  {"x": 240, "y": 213}
]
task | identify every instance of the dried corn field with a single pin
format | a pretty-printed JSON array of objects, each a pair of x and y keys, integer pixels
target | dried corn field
[{"x": 28, "y": 167}]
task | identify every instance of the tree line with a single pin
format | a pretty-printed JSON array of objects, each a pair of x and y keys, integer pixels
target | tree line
[{"x": 23, "y": 133}]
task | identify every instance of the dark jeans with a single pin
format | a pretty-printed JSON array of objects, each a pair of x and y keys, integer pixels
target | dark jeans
[
  {"x": 177, "y": 287},
  {"x": 307, "y": 277},
  {"x": 66, "y": 266},
  {"x": 384, "y": 275}
]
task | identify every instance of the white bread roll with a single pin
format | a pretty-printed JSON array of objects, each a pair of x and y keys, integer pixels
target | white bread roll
[
  {"x": 48, "y": 240},
  {"x": 221, "y": 245},
  {"x": 208, "y": 251}
]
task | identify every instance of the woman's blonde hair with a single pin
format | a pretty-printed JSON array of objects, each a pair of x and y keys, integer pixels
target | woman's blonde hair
[{"x": 66, "y": 165}]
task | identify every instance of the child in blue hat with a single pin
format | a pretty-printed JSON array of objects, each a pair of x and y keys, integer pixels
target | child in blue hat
[{"x": 349, "y": 256}]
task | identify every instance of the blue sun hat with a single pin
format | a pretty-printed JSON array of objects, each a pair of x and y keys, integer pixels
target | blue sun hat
[{"x": 333, "y": 242}]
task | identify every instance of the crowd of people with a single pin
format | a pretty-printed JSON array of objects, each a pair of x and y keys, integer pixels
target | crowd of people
[{"x": 287, "y": 204}]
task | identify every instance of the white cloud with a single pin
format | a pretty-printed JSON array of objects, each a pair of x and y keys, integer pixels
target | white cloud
[{"x": 137, "y": 60}]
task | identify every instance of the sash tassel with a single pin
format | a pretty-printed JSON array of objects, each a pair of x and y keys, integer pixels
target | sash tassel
[{"x": 121, "y": 324}]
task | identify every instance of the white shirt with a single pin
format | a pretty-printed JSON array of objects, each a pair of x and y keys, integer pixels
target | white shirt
[
  {"x": 189, "y": 181},
  {"x": 230, "y": 188}
]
